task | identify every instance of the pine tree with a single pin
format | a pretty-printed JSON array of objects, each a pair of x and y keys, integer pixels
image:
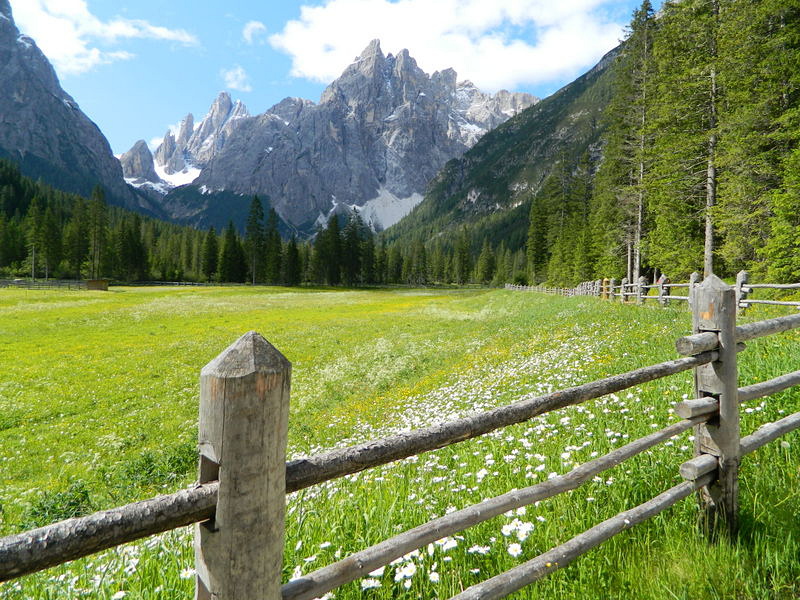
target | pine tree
[
  {"x": 208, "y": 265},
  {"x": 254, "y": 239},
  {"x": 463, "y": 258},
  {"x": 759, "y": 52},
  {"x": 232, "y": 263},
  {"x": 485, "y": 267},
  {"x": 292, "y": 264},
  {"x": 273, "y": 248},
  {"x": 97, "y": 230},
  {"x": 35, "y": 230},
  {"x": 351, "y": 250},
  {"x": 681, "y": 185}
]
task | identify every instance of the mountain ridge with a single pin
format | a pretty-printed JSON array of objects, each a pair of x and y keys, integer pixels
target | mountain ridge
[
  {"x": 378, "y": 135},
  {"x": 43, "y": 129}
]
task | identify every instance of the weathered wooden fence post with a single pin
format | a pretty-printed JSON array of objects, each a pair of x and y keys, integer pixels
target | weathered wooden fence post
[
  {"x": 622, "y": 289},
  {"x": 742, "y": 278},
  {"x": 714, "y": 309},
  {"x": 694, "y": 280},
  {"x": 640, "y": 290},
  {"x": 611, "y": 283},
  {"x": 662, "y": 290},
  {"x": 244, "y": 409}
]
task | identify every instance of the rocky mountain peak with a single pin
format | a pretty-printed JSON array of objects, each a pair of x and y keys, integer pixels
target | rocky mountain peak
[
  {"x": 186, "y": 130},
  {"x": 5, "y": 9},
  {"x": 137, "y": 164},
  {"x": 195, "y": 146}
]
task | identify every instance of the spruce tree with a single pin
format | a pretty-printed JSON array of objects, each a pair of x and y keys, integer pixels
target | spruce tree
[
  {"x": 292, "y": 264},
  {"x": 254, "y": 239}
]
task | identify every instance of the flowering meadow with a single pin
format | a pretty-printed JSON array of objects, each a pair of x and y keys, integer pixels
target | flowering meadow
[{"x": 99, "y": 401}]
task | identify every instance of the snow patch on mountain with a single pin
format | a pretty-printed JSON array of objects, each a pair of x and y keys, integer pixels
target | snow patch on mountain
[
  {"x": 386, "y": 209},
  {"x": 188, "y": 175}
]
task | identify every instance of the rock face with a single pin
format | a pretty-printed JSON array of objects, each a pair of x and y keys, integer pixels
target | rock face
[
  {"x": 379, "y": 134},
  {"x": 137, "y": 163},
  {"x": 194, "y": 146},
  {"x": 43, "y": 129}
]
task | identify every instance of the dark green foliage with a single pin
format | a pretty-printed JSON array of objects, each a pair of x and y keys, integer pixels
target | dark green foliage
[
  {"x": 210, "y": 255},
  {"x": 255, "y": 240},
  {"x": 232, "y": 261},
  {"x": 292, "y": 265}
]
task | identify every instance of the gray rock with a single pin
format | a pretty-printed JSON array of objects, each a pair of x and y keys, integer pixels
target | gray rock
[
  {"x": 196, "y": 146},
  {"x": 43, "y": 129},
  {"x": 137, "y": 164}
]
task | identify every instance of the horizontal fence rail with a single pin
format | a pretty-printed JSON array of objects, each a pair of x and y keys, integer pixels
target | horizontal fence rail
[{"x": 67, "y": 540}]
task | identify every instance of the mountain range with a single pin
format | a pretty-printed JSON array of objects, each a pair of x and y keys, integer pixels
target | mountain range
[{"x": 378, "y": 135}]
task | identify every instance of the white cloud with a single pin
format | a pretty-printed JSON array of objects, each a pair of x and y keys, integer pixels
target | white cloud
[
  {"x": 154, "y": 143},
  {"x": 252, "y": 30},
  {"x": 497, "y": 44},
  {"x": 236, "y": 79},
  {"x": 69, "y": 34}
]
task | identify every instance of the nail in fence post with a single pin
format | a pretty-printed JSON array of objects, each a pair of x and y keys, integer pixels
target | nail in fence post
[
  {"x": 714, "y": 309},
  {"x": 742, "y": 277},
  {"x": 244, "y": 408}
]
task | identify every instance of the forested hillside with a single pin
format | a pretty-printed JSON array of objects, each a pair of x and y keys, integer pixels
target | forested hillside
[{"x": 698, "y": 164}]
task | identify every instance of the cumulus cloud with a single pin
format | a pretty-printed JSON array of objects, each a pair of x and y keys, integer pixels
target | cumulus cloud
[
  {"x": 498, "y": 44},
  {"x": 235, "y": 78},
  {"x": 69, "y": 34},
  {"x": 252, "y": 30}
]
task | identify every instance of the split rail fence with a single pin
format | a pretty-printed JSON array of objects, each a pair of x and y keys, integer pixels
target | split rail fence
[
  {"x": 639, "y": 290},
  {"x": 238, "y": 504}
]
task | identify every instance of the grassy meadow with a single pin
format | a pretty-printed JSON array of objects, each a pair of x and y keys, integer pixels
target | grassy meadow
[{"x": 98, "y": 407}]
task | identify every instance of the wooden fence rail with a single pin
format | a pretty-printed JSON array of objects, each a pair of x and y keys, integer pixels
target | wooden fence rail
[{"x": 239, "y": 502}]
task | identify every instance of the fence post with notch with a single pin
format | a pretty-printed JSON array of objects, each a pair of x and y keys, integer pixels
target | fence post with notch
[
  {"x": 714, "y": 310},
  {"x": 244, "y": 409}
]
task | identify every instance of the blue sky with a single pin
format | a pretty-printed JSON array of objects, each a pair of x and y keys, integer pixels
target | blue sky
[{"x": 137, "y": 68}]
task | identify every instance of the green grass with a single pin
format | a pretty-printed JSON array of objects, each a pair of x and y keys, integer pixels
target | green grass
[{"x": 98, "y": 407}]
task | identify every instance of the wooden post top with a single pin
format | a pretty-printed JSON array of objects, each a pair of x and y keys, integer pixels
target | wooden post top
[
  {"x": 250, "y": 354},
  {"x": 707, "y": 302}
]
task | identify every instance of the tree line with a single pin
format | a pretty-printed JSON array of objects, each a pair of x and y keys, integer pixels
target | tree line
[{"x": 46, "y": 233}]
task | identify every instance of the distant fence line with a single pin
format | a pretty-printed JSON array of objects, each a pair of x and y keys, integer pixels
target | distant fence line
[
  {"x": 238, "y": 504},
  {"x": 43, "y": 284},
  {"x": 639, "y": 291}
]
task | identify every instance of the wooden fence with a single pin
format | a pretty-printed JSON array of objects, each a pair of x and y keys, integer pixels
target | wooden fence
[
  {"x": 238, "y": 503},
  {"x": 43, "y": 284},
  {"x": 639, "y": 291}
]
